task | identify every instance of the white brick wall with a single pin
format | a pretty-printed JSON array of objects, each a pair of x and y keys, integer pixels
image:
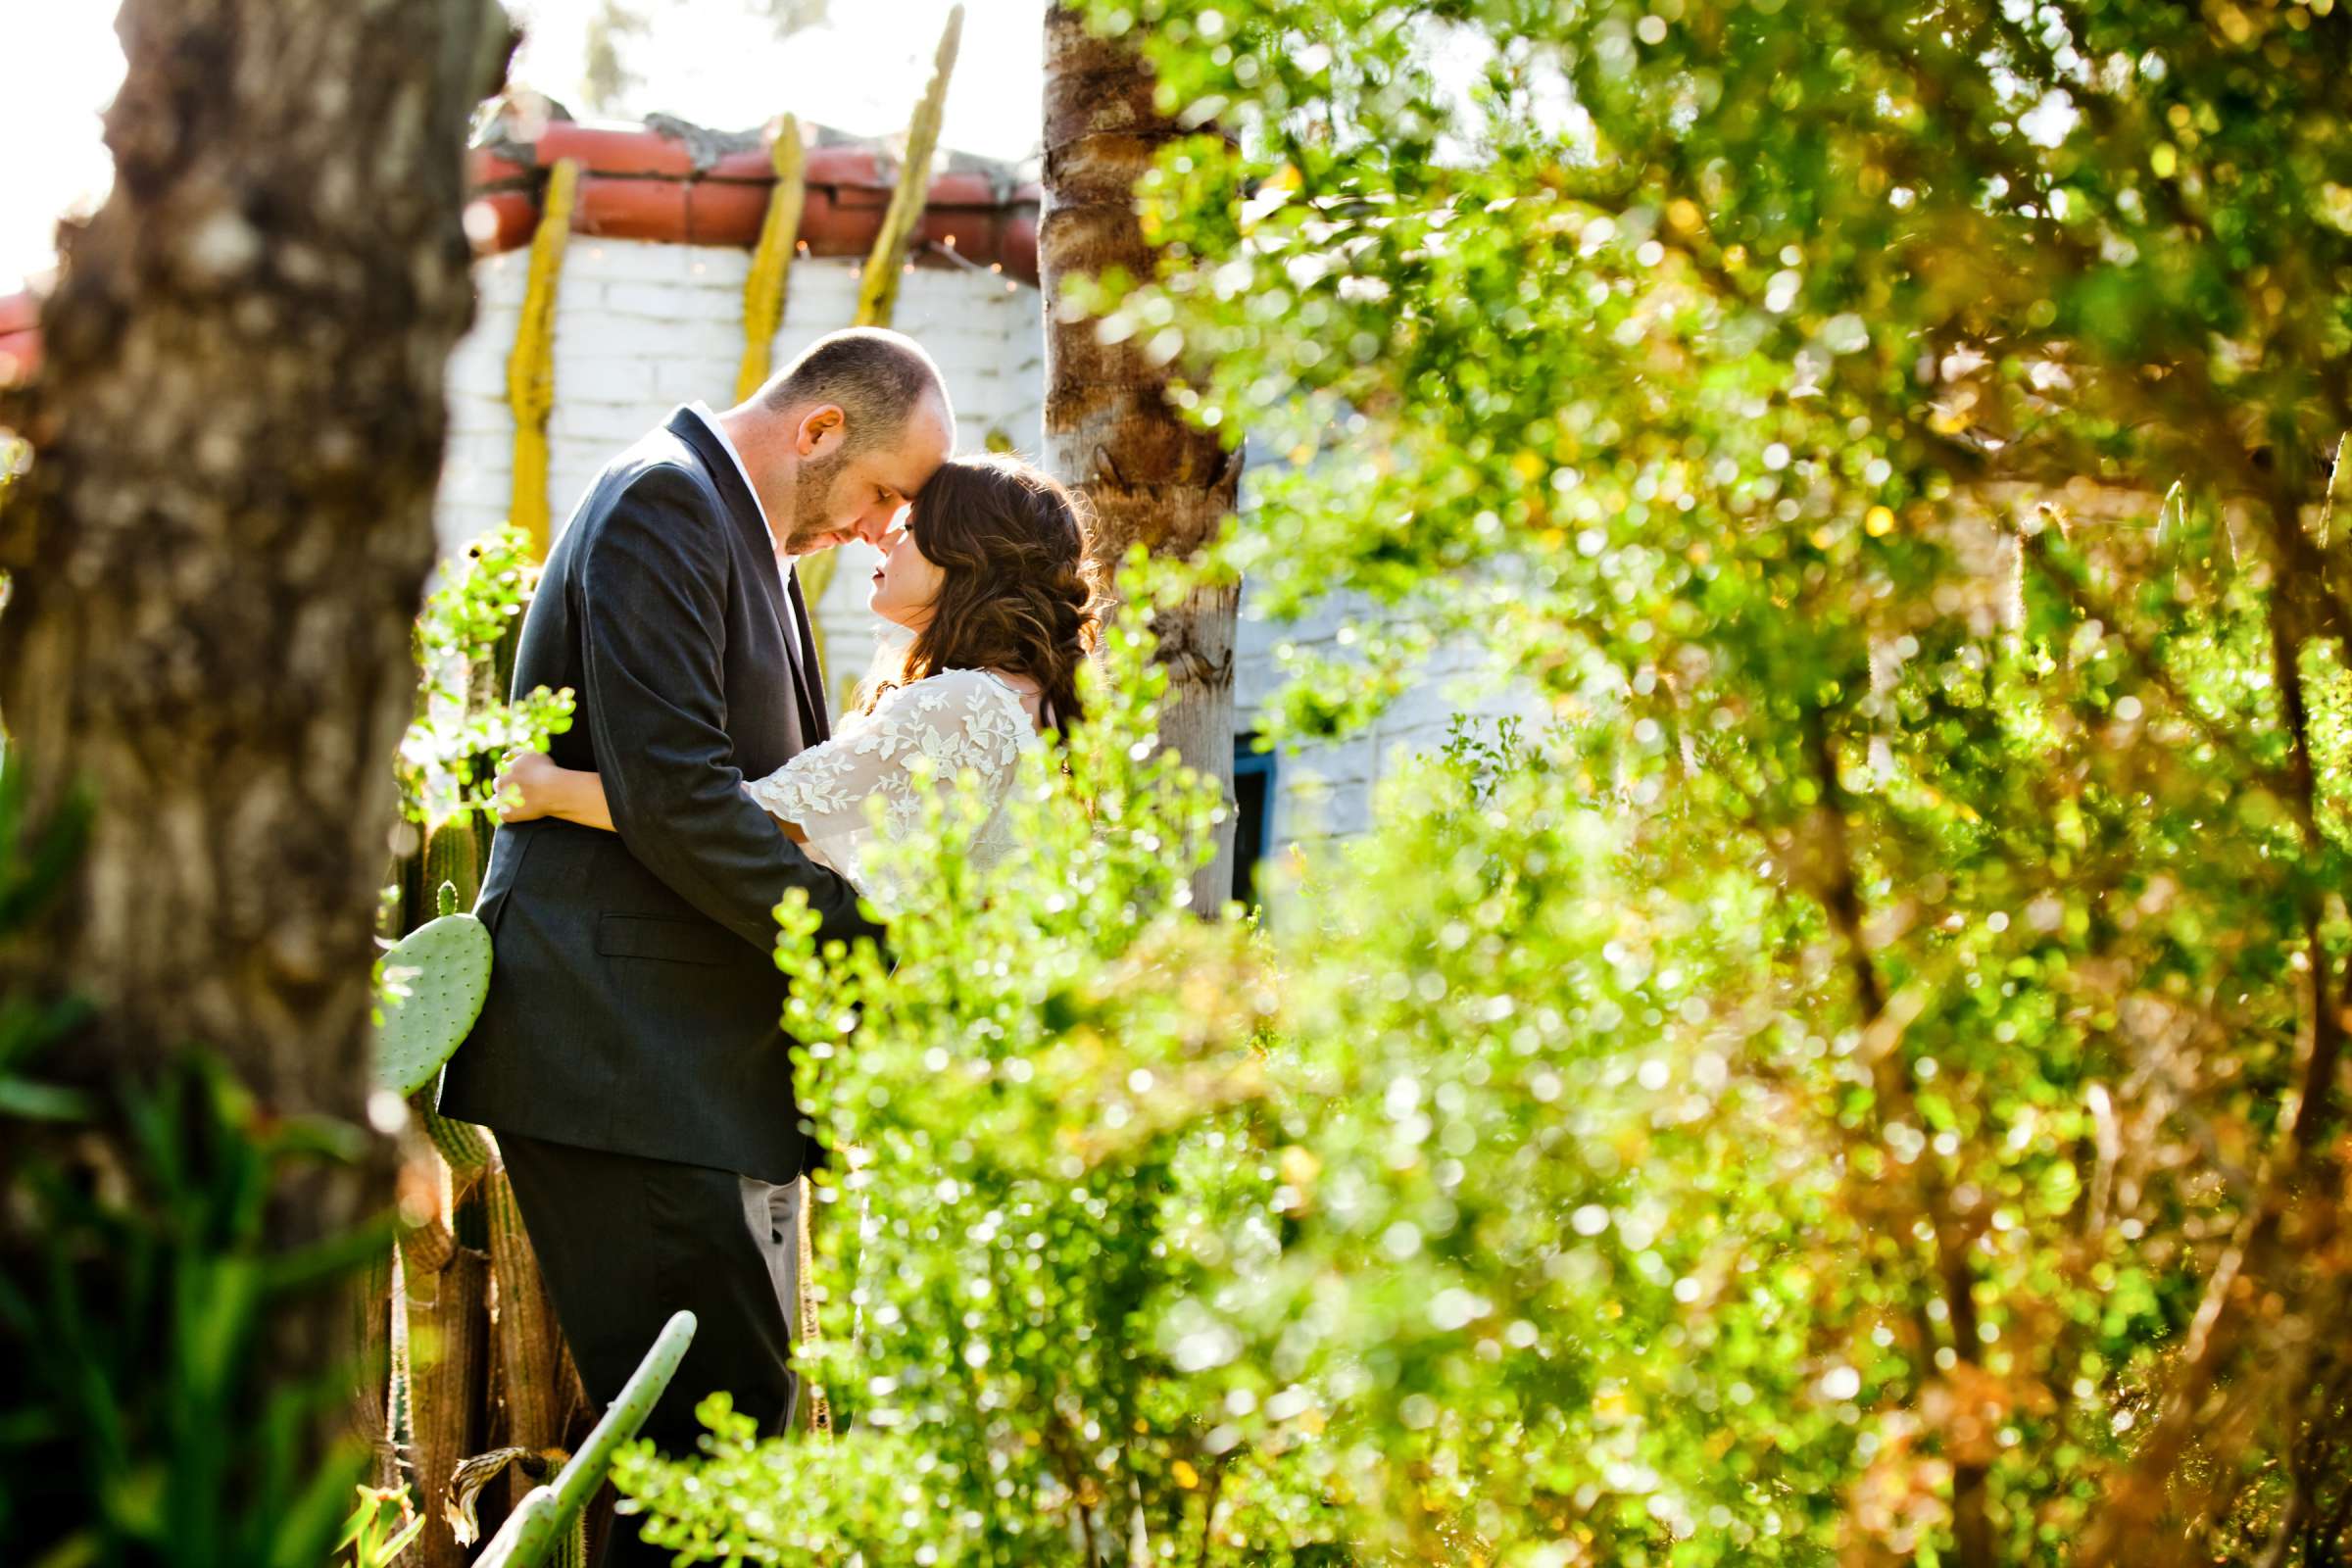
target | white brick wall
[
  {"x": 1327, "y": 790},
  {"x": 640, "y": 328},
  {"x": 643, "y": 327}
]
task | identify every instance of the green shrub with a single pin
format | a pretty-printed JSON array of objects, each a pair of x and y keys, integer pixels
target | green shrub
[{"x": 1860, "y": 1083}]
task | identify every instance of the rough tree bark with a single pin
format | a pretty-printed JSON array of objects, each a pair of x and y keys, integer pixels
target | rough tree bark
[
  {"x": 218, "y": 553},
  {"x": 1110, "y": 429}
]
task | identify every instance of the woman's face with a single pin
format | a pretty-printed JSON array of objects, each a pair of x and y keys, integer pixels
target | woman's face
[{"x": 907, "y": 584}]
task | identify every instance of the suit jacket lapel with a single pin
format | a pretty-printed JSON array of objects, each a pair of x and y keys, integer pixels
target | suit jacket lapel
[
  {"x": 744, "y": 508},
  {"x": 815, "y": 704}
]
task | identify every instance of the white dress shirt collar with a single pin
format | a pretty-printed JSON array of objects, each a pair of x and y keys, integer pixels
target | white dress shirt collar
[
  {"x": 703, "y": 412},
  {"x": 784, "y": 563}
]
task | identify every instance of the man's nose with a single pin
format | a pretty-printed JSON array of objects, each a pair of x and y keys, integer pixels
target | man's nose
[{"x": 872, "y": 527}]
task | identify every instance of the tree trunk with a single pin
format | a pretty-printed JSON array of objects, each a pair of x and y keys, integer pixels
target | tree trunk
[
  {"x": 1150, "y": 478},
  {"x": 218, "y": 551},
  {"x": 449, "y": 1374}
]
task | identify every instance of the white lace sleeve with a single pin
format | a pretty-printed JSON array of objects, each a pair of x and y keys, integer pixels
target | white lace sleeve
[{"x": 958, "y": 719}]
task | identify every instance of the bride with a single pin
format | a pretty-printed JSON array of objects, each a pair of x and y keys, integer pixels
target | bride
[{"x": 993, "y": 574}]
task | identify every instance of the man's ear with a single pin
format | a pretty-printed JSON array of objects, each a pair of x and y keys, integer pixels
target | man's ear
[{"x": 821, "y": 431}]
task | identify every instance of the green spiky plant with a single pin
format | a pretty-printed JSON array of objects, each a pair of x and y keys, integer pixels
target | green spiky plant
[
  {"x": 136, "y": 1296},
  {"x": 453, "y": 859}
]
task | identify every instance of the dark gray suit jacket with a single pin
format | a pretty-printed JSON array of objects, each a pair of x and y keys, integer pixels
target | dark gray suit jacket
[{"x": 635, "y": 1002}]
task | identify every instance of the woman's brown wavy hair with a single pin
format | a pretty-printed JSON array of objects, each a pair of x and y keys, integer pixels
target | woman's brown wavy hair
[{"x": 1021, "y": 590}]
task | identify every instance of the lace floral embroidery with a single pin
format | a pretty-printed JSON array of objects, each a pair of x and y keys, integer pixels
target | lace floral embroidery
[{"x": 957, "y": 719}]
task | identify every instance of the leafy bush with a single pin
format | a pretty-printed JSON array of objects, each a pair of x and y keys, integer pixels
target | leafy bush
[
  {"x": 464, "y": 723},
  {"x": 1861, "y": 1084}
]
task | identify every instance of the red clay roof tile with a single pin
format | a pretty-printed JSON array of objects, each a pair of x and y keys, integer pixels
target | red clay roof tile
[
  {"x": 19, "y": 357},
  {"x": 639, "y": 183}
]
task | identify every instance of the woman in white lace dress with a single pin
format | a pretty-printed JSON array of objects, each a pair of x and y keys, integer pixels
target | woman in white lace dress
[{"x": 993, "y": 574}]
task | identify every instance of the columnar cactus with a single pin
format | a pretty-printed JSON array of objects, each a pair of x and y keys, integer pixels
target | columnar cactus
[
  {"x": 529, "y": 1344},
  {"x": 531, "y": 367},
  {"x": 765, "y": 287},
  {"x": 448, "y": 1361},
  {"x": 370, "y": 1326},
  {"x": 464, "y": 1147},
  {"x": 453, "y": 859},
  {"x": 878, "y": 284},
  {"x": 878, "y": 288},
  {"x": 535, "y": 1527}
]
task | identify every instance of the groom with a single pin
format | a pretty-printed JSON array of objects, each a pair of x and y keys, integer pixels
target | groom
[{"x": 629, "y": 1058}]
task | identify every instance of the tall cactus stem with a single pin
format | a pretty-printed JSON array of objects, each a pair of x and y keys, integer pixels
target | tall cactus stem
[
  {"x": 448, "y": 1334},
  {"x": 878, "y": 285},
  {"x": 465, "y": 1147},
  {"x": 535, "y": 1529},
  {"x": 529, "y": 1344},
  {"x": 878, "y": 288},
  {"x": 531, "y": 367},
  {"x": 766, "y": 289},
  {"x": 372, "y": 1368},
  {"x": 452, "y": 859}
]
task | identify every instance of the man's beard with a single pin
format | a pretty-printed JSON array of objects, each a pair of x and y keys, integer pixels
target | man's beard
[{"x": 811, "y": 488}]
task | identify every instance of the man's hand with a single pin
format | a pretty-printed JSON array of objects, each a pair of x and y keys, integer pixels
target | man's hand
[{"x": 528, "y": 785}]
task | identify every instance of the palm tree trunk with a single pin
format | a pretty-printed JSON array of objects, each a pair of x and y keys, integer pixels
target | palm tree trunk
[
  {"x": 217, "y": 554},
  {"x": 1150, "y": 478}
]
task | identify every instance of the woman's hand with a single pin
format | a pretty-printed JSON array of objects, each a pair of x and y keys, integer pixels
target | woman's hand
[{"x": 527, "y": 787}]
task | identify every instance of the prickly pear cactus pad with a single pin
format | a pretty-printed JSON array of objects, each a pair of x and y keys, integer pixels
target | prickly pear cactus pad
[{"x": 444, "y": 967}]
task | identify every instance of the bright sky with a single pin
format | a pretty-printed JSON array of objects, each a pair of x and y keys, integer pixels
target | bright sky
[{"x": 719, "y": 63}]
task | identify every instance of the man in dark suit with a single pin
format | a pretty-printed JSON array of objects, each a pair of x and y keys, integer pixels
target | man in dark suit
[{"x": 629, "y": 1058}]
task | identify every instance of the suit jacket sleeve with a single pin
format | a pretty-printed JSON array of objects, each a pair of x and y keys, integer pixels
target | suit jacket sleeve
[{"x": 652, "y": 581}]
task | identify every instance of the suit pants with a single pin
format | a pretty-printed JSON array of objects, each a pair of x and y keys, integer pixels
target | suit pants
[{"x": 623, "y": 1241}]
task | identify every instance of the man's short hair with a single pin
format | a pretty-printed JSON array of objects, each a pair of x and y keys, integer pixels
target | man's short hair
[{"x": 878, "y": 378}]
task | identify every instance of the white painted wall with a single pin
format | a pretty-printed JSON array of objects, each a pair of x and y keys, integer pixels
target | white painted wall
[
  {"x": 642, "y": 327},
  {"x": 1327, "y": 791}
]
